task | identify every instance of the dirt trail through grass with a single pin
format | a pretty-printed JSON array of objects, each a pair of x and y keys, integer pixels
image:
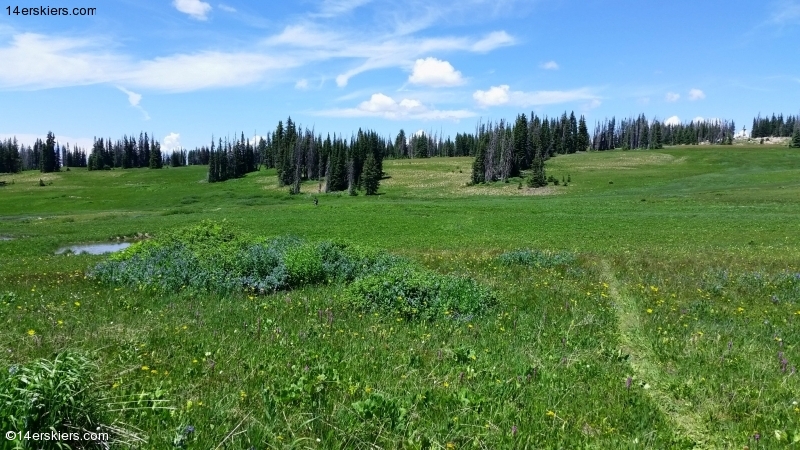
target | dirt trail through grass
[{"x": 646, "y": 370}]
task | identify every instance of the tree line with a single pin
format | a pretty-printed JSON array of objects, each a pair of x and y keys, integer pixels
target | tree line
[
  {"x": 775, "y": 126},
  {"x": 126, "y": 153},
  {"x": 44, "y": 155},
  {"x": 641, "y": 133}
]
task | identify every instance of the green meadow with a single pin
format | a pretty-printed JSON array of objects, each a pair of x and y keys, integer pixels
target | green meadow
[{"x": 656, "y": 306}]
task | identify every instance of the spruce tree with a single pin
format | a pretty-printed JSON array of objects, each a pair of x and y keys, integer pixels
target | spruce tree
[
  {"x": 583, "y": 135},
  {"x": 48, "y": 159},
  {"x": 155, "y": 155},
  {"x": 796, "y": 137},
  {"x": 372, "y": 175},
  {"x": 479, "y": 165}
]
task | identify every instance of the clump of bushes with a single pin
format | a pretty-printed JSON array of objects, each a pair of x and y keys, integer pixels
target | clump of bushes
[
  {"x": 538, "y": 258},
  {"x": 213, "y": 257},
  {"x": 412, "y": 293}
]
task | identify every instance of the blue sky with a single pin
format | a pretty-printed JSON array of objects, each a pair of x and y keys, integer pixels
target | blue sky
[{"x": 186, "y": 69}]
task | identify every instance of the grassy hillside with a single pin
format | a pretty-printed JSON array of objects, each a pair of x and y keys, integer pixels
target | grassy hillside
[{"x": 661, "y": 312}]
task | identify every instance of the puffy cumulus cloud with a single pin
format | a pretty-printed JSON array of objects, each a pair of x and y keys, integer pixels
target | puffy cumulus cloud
[
  {"x": 435, "y": 73},
  {"x": 381, "y": 105},
  {"x": 674, "y": 120},
  {"x": 502, "y": 95},
  {"x": 672, "y": 97},
  {"x": 550, "y": 65},
  {"x": 696, "y": 94},
  {"x": 496, "y": 95},
  {"x": 171, "y": 142},
  {"x": 194, "y": 8}
]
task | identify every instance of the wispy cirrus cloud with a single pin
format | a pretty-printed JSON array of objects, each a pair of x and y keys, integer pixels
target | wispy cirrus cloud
[
  {"x": 134, "y": 99},
  {"x": 49, "y": 61},
  {"x": 785, "y": 12}
]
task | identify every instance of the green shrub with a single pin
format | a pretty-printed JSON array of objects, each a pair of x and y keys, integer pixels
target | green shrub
[
  {"x": 537, "y": 258},
  {"x": 416, "y": 293},
  {"x": 304, "y": 265},
  {"x": 53, "y": 396}
]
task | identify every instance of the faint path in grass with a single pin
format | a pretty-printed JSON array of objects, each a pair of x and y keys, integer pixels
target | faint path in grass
[{"x": 687, "y": 422}]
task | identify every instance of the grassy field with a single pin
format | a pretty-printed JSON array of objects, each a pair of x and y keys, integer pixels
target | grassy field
[{"x": 672, "y": 323}]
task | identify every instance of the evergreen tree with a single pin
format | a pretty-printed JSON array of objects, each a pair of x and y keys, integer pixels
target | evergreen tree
[
  {"x": 796, "y": 137},
  {"x": 420, "y": 146},
  {"x": 372, "y": 175},
  {"x": 49, "y": 159},
  {"x": 538, "y": 177},
  {"x": 156, "y": 161},
  {"x": 522, "y": 157},
  {"x": 583, "y": 135}
]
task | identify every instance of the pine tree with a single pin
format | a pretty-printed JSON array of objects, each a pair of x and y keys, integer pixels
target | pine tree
[
  {"x": 49, "y": 160},
  {"x": 155, "y": 155},
  {"x": 796, "y": 136},
  {"x": 372, "y": 175},
  {"x": 522, "y": 157},
  {"x": 537, "y": 177},
  {"x": 479, "y": 165},
  {"x": 583, "y": 135}
]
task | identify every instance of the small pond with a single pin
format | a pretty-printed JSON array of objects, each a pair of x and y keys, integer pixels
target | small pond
[{"x": 94, "y": 249}]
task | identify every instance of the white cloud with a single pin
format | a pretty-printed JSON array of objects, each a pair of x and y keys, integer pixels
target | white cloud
[
  {"x": 496, "y": 95},
  {"x": 195, "y": 8},
  {"x": 698, "y": 119},
  {"x": 331, "y": 8},
  {"x": 226, "y": 8},
  {"x": 786, "y": 11},
  {"x": 381, "y": 105},
  {"x": 492, "y": 41},
  {"x": 696, "y": 94},
  {"x": 550, "y": 65},
  {"x": 134, "y": 99},
  {"x": 47, "y": 61},
  {"x": 501, "y": 95},
  {"x": 182, "y": 73},
  {"x": 672, "y": 97},
  {"x": 674, "y": 120},
  {"x": 594, "y": 103},
  {"x": 301, "y": 84},
  {"x": 42, "y": 62},
  {"x": 385, "y": 54},
  {"x": 435, "y": 73},
  {"x": 171, "y": 142}
]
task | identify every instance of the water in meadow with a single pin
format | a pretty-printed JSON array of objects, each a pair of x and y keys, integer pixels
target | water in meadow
[{"x": 93, "y": 249}]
